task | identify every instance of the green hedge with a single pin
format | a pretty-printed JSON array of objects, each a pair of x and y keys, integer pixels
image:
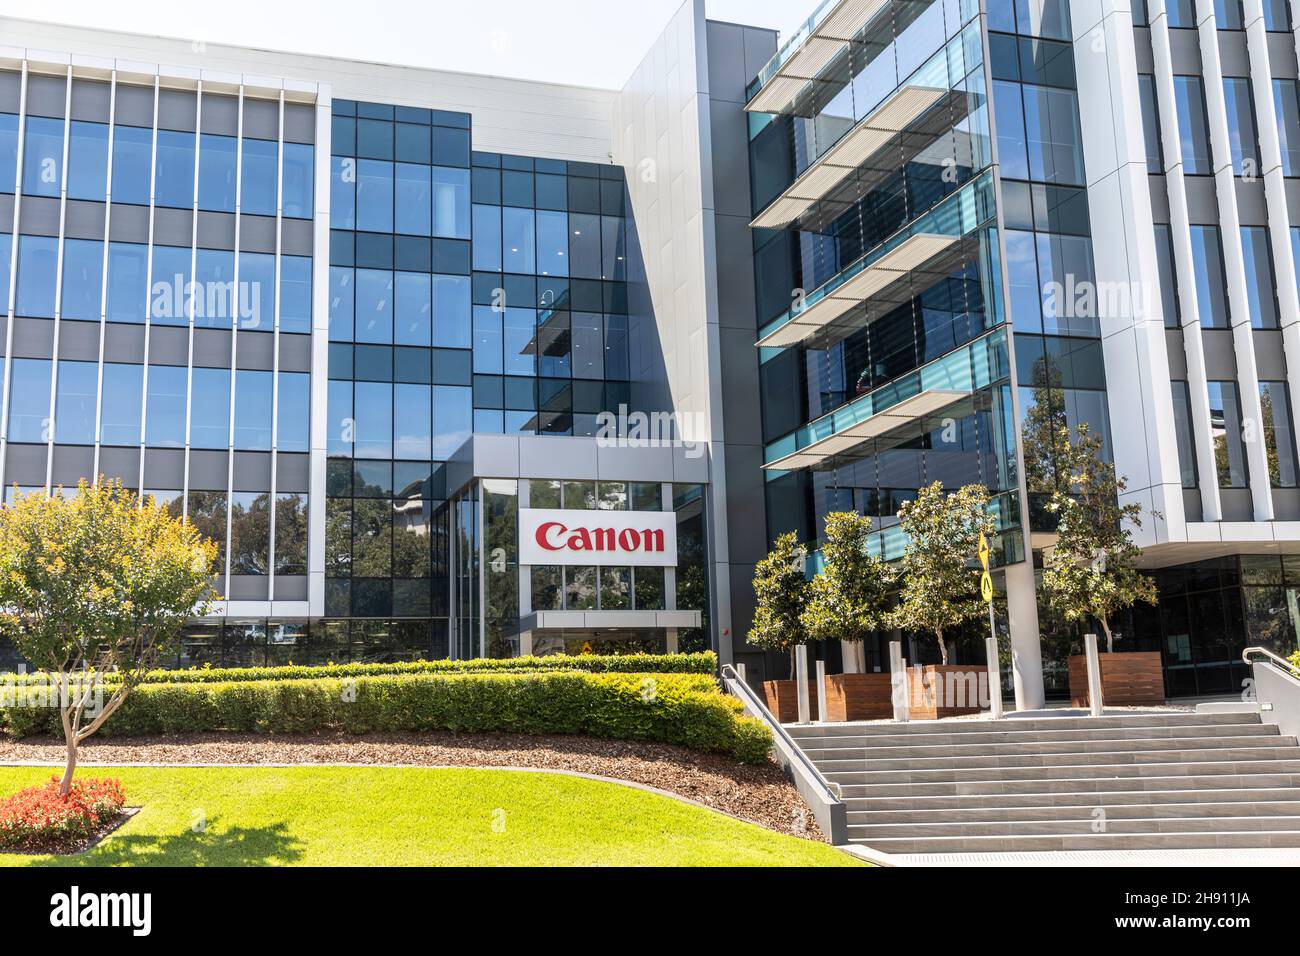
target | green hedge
[
  {"x": 685, "y": 709},
  {"x": 704, "y": 663}
]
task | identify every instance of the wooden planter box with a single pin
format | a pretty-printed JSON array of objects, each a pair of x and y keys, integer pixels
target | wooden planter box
[
  {"x": 783, "y": 700},
  {"x": 944, "y": 690},
  {"x": 1127, "y": 678},
  {"x": 859, "y": 697}
]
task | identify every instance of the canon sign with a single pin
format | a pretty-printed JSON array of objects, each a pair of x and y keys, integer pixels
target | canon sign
[{"x": 644, "y": 538}]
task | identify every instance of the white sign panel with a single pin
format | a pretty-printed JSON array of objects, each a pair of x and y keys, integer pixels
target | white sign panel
[{"x": 641, "y": 538}]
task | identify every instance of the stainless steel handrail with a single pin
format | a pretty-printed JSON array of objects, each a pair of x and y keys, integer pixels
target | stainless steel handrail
[
  {"x": 738, "y": 687},
  {"x": 1275, "y": 658}
]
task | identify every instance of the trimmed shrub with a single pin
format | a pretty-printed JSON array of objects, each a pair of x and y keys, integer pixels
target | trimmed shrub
[
  {"x": 685, "y": 709},
  {"x": 39, "y": 818},
  {"x": 703, "y": 663}
]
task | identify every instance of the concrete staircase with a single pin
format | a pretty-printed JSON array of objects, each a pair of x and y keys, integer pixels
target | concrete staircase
[{"x": 1138, "y": 781}]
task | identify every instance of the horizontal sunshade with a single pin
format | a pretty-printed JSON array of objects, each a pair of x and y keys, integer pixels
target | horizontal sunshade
[
  {"x": 854, "y": 149},
  {"x": 843, "y": 23},
  {"x": 908, "y": 411},
  {"x": 811, "y": 326}
]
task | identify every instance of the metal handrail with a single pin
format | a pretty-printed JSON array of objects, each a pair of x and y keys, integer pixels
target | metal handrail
[
  {"x": 735, "y": 682},
  {"x": 1245, "y": 656}
]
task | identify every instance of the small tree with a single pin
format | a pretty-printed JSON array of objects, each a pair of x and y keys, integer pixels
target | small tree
[
  {"x": 1091, "y": 572},
  {"x": 940, "y": 592},
  {"x": 847, "y": 600},
  {"x": 781, "y": 591},
  {"x": 97, "y": 582}
]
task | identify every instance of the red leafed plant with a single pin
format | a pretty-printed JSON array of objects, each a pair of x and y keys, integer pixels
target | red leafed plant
[{"x": 40, "y": 818}]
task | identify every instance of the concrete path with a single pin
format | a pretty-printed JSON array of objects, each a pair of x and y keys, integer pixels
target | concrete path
[{"x": 1108, "y": 858}]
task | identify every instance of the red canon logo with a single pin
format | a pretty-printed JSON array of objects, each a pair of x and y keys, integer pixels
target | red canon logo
[{"x": 555, "y": 536}]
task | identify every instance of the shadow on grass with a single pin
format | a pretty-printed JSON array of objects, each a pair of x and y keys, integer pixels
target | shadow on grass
[{"x": 236, "y": 846}]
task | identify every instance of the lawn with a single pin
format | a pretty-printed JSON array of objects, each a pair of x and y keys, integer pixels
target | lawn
[{"x": 377, "y": 816}]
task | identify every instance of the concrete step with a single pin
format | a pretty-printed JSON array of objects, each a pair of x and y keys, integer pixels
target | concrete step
[
  {"x": 1021, "y": 725},
  {"x": 1189, "y": 780},
  {"x": 1046, "y": 747},
  {"x": 1173, "y": 732},
  {"x": 1211, "y": 763},
  {"x": 870, "y": 763},
  {"x": 975, "y": 802},
  {"x": 1082, "y": 814},
  {"x": 1193, "y": 840},
  {"x": 868, "y": 833}
]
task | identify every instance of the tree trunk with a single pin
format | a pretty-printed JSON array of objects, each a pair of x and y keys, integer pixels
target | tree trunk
[
  {"x": 1110, "y": 639},
  {"x": 70, "y": 737},
  {"x": 943, "y": 648}
]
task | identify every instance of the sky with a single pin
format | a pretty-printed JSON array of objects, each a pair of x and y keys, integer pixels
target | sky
[{"x": 585, "y": 42}]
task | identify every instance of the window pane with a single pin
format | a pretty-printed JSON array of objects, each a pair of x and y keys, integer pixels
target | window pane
[
  {"x": 29, "y": 401},
  {"x": 487, "y": 238},
  {"x": 1183, "y": 432},
  {"x": 250, "y": 532},
  {"x": 1279, "y": 440},
  {"x": 127, "y": 282},
  {"x": 43, "y": 157},
  {"x": 1225, "y": 429},
  {"x": 615, "y": 588},
  {"x": 373, "y": 413},
  {"x": 258, "y": 177},
  {"x": 170, "y": 284},
  {"x": 290, "y": 533},
  {"x": 412, "y": 439},
  {"x": 83, "y": 275},
  {"x": 1261, "y": 290},
  {"x": 1151, "y": 122},
  {"x": 518, "y": 250},
  {"x": 295, "y": 294},
  {"x": 414, "y": 309},
  {"x": 412, "y": 199},
  {"x": 1211, "y": 284},
  {"x": 174, "y": 180},
  {"x": 451, "y": 202},
  {"x": 37, "y": 267},
  {"x": 342, "y": 304},
  {"x": 8, "y": 152},
  {"x": 206, "y": 510},
  {"x": 1286, "y": 104},
  {"x": 374, "y": 321},
  {"x": 256, "y": 291},
  {"x": 132, "y": 164},
  {"x": 293, "y": 422},
  {"x": 165, "y": 415},
  {"x": 299, "y": 179},
  {"x": 451, "y": 312},
  {"x": 210, "y": 410},
  {"x": 374, "y": 195},
  {"x": 487, "y": 340},
  {"x": 214, "y": 295},
  {"x": 1193, "y": 128},
  {"x": 252, "y": 410},
  {"x": 340, "y": 428},
  {"x": 217, "y": 173},
  {"x": 1168, "y": 286},
  {"x": 1242, "y": 138},
  {"x": 74, "y": 405},
  {"x": 343, "y": 192},
  {"x": 88, "y": 161},
  {"x": 120, "y": 414},
  {"x": 452, "y": 415}
]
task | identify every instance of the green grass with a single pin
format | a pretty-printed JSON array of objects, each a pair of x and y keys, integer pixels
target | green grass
[{"x": 375, "y": 816}]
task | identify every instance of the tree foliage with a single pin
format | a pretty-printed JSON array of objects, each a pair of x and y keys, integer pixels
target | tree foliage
[
  {"x": 93, "y": 582},
  {"x": 1090, "y": 573},
  {"x": 782, "y": 592},
  {"x": 940, "y": 591},
  {"x": 848, "y": 599}
]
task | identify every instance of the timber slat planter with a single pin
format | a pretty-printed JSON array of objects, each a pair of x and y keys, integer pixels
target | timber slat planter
[
  {"x": 859, "y": 697},
  {"x": 1127, "y": 679},
  {"x": 943, "y": 690},
  {"x": 783, "y": 700}
]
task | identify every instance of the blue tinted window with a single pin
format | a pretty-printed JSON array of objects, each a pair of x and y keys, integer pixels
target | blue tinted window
[
  {"x": 256, "y": 291},
  {"x": 217, "y": 168},
  {"x": 1193, "y": 128},
  {"x": 210, "y": 408},
  {"x": 74, "y": 403},
  {"x": 413, "y": 319},
  {"x": 1279, "y": 440},
  {"x": 165, "y": 412},
  {"x": 83, "y": 279},
  {"x": 343, "y": 192},
  {"x": 451, "y": 218},
  {"x": 252, "y": 410},
  {"x": 373, "y": 414},
  {"x": 1277, "y": 16},
  {"x": 132, "y": 164},
  {"x": 1228, "y": 14},
  {"x": 259, "y": 175},
  {"x": 299, "y": 179},
  {"x": 1182, "y": 13},
  {"x": 342, "y": 303},
  {"x": 451, "y": 312},
  {"x": 43, "y": 157},
  {"x": 374, "y": 196},
  {"x": 1150, "y": 122},
  {"x": 374, "y": 318},
  {"x": 120, "y": 415},
  {"x": 214, "y": 288},
  {"x": 412, "y": 202},
  {"x": 1226, "y": 433},
  {"x": 517, "y": 240},
  {"x": 617, "y": 363},
  {"x": 1168, "y": 287},
  {"x": 1207, "y": 266},
  {"x": 128, "y": 280},
  {"x": 340, "y": 429},
  {"x": 295, "y": 294},
  {"x": 487, "y": 340},
  {"x": 450, "y": 146},
  {"x": 519, "y": 339},
  {"x": 88, "y": 161},
  {"x": 1286, "y": 104},
  {"x": 294, "y": 418},
  {"x": 1242, "y": 139},
  {"x": 8, "y": 152},
  {"x": 487, "y": 238},
  {"x": 1261, "y": 291},
  {"x": 169, "y": 285},
  {"x": 453, "y": 413},
  {"x": 1052, "y": 135},
  {"x": 412, "y": 439},
  {"x": 6, "y": 255},
  {"x": 552, "y": 243},
  {"x": 174, "y": 179},
  {"x": 29, "y": 401},
  {"x": 37, "y": 266}
]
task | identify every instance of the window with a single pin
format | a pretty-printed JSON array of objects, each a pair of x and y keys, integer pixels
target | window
[
  {"x": 452, "y": 417},
  {"x": 29, "y": 401},
  {"x": 128, "y": 278},
  {"x": 214, "y": 297},
  {"x": 120, "y": 412},
  {"x": 88, "y": 161},
  {"x": 1261, "y": 290},
  {"x": 43, "y": 157},
  {"x": 6, "y": 255},
  {"x": 1286, "y": 103},
  {"x": 519, "y": 341},
  {"x": 451, "y": 312},
  {"x": 487, "y": 238},
  {"x": 342, "y": 304},
  {"x": 1168, "y": 286},
  {"x": 37, "y": 267},
  {"x": 1277, "y": 16},
  {"x": 1211, "y": 285},
  {"x": 165, "y": 408},
  {"x": 169, "y": 300},
  {"x": 340, "y": 428},
  {"x": 1193, "y": 127},
  {"x": 1279, "y": 440},
  {"x": 1228, "y": 15},
  {"x": 413, "y": 309},
  {"x": 8, "y": 152},
  {"x": 132, "y": 164},
  {"x": 174, "y": 178},
  {"x": 217, "y": 168},
  {"x": 210, "y": 409},
  {"x": 252, "y": 410},
  {"x": 74, "y": 404},
  {"x": 83, "y": 274},
  {"x": 295, "y": 294},
  {"x": 293, "y": 421},
  {"x": 588, "y": 347},
  {"x": 290, "y": 533},
  {"x": 1226, "y": 433},
  {"x": 1182, "y": 13},
  {"x": 412, "y": 203},
  {"x": 1151, "y": 123},
  {"x": 257, "y": 291},
  {"x": 451, "y": 203},
  {"x": 374, "y": 196},
  {"x": 1052, "y": 135},
  {"x": 343, "y": 192},
  {"x": 250, "y": 533},
  {"x": 258, "y": 178},
  {"x": 298, "y": 180},
  {"x": 518, "y": 241},
  {"x": 373, "y": 414},
  {"x": 412, "y": 439},
  {"x": 374, "y": 310},
  {"x": 1243, "y": 140}
]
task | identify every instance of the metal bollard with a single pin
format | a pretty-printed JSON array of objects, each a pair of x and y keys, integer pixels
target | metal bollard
[
  {"x": 900, "y": 691},
  {"x": 1095, "y": 700},
  {"x": 995, "y": 677},
  {"x": 801, "y": 681},
  {"x": 821, "y": 692}
]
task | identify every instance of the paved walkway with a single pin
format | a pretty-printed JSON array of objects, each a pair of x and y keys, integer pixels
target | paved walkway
[{"x": 1112, "y": 858}]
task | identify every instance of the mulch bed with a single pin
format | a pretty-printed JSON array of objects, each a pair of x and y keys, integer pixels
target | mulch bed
[
  {"x": 758, "y": 793},
  {"x": 75, "y": 847}
]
